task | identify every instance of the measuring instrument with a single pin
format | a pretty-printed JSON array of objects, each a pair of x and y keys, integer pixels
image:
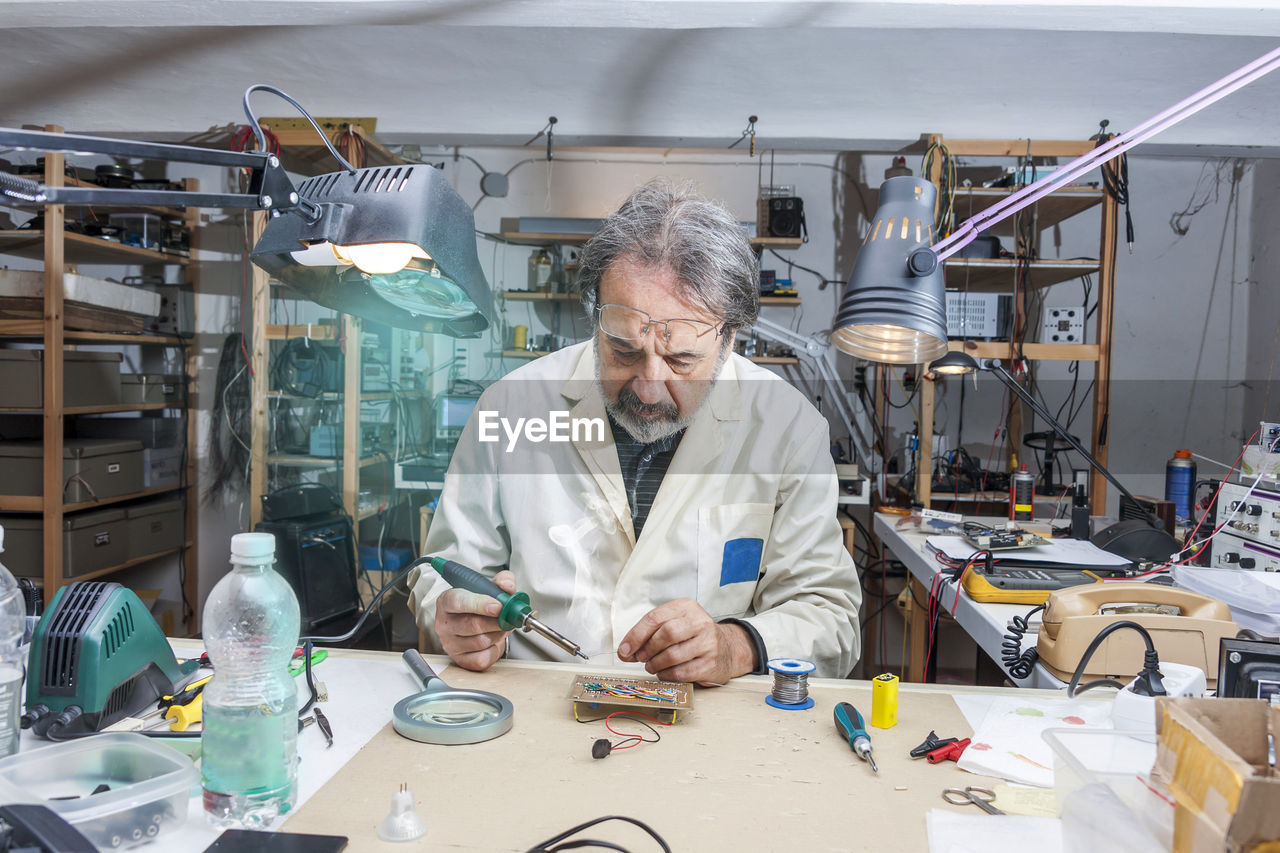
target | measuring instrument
[
  {"x": 448, "y": 715},
  {"x": 516, "y": 613},
  {"x": 1020, "y": 585}
]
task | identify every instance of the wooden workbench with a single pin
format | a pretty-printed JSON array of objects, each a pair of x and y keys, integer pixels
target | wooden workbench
[{"x": 733, "y": 774}]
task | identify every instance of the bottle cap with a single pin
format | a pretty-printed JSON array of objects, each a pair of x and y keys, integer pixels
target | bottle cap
[
  {"x": 253, "y": 545},
  {"x": 1023, "y": 467},
  {"x": 1182, "y": 454}
]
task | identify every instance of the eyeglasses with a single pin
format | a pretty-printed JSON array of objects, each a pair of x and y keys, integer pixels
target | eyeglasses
[{"x": 630, "y": 325}]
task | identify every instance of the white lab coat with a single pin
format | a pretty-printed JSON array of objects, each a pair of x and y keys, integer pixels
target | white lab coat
[{"x": 753, "y": 469}]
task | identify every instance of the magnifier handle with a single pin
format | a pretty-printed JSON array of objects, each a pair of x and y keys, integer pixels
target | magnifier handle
[{"x": 419, "y": 667}]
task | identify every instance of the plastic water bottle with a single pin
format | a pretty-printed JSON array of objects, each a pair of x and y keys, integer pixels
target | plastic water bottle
[
  {"x": 13, "y": 625},
  {"x": 250, "y": 741}
]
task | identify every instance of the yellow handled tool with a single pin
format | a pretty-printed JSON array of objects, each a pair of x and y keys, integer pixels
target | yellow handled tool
[{"x": 182, "y": 717}]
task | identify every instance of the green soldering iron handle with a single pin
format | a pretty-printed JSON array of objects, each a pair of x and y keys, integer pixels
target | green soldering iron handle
[{"x": 515, "y": 608}]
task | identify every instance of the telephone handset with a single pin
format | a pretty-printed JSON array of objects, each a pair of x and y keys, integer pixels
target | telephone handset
[{"x": 1184, "y": 625}]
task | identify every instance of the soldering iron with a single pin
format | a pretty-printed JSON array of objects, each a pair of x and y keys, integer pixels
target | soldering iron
[{"x": 516, "y": 612}]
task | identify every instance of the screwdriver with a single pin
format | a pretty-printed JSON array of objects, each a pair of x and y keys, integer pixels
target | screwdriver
[
  {"x": 181, "y": 717},
  {"x": 851, "y": 727},
  {"x": 516, "y": 610},
  {"x": 183, "y": 696}
]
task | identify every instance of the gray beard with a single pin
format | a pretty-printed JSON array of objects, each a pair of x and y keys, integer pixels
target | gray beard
[{"x": 663, "y": 419}]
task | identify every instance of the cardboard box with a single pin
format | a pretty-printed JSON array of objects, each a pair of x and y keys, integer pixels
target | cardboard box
[{"x": 1213, "y": 758}]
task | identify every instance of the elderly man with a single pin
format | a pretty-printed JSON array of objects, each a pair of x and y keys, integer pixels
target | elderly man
[{"x": 694, "y": 528}]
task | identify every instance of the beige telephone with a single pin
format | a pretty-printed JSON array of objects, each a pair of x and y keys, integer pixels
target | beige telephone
[{"x": 1184, "y": 626}]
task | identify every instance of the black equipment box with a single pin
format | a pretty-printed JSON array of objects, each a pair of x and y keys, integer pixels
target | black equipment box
[
  {"x": 317, "y": 556},
  {"x": 786, "y": 217}
]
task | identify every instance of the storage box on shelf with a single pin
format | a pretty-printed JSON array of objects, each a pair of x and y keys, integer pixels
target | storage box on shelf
[{"x": 73, "y": 495}]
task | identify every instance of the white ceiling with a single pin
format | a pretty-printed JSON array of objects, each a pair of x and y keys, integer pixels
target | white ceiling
[{"x": 834, "y": 74}]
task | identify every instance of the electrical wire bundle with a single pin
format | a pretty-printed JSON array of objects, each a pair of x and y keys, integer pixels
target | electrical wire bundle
[
  {"x": 956, "y": 576},
  {"x": 230, "y": 419}
]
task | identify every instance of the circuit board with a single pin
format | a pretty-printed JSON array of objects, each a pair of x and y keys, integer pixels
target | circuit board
[
  {"x": 641, "y": 693},
  {"x": 999, "y": 538}
]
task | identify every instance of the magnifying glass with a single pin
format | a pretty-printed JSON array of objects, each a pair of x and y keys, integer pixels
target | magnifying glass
[{"x": 447, "y": 715}]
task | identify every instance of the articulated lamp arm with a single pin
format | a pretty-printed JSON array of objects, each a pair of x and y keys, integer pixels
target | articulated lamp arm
[{"x": 853, "y": 421}]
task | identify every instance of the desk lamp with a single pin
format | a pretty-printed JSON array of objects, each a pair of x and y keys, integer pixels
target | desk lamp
[
  {"x": 391, "y": 244},
  {"x": 894, "y": 307}
]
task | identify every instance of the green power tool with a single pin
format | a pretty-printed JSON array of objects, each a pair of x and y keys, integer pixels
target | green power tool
[{"x": 97, "y": 656}]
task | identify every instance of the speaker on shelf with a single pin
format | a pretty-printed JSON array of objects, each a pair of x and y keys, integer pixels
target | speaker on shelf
[
  {"x": 316, "y": 555},
  {"x": 786, "y": 217}
]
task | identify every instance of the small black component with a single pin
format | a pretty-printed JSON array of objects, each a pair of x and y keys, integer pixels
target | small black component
[
  {"x": 601, "y": 748},
  {"x": 931, "y": 743}
]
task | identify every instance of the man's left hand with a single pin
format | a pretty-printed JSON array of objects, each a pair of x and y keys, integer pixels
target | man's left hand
[{"x": 679, "y": 641}]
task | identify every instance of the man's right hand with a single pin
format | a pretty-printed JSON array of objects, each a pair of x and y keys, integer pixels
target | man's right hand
[{"x": 467, "y": 625}]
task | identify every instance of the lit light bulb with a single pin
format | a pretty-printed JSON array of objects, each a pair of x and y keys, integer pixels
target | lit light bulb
[{"x": 379, "y": 258}]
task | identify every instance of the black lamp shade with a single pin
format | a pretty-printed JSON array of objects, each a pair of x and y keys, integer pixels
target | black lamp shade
[
  {"x": 433, "y": 282},
  {"x": 890, "y": 313},
  {"x": 954, "y": 364}
]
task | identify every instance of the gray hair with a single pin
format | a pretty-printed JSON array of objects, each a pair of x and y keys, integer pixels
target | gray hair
[{"x": 669, "y": 227}]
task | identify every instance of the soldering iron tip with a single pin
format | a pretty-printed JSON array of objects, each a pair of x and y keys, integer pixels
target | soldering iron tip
[{"x": 581, "y": 655}]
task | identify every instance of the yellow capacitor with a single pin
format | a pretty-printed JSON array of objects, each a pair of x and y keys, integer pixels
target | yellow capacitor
[{"x": 884, "y": 701}]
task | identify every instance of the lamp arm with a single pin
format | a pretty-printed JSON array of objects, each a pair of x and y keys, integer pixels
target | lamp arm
[
  {"x": 269, "y": 186},
  {"x": 1003, "y": 375},
  {"x": 817, "y": 351},
  {"x": 1114, "y": 147}
]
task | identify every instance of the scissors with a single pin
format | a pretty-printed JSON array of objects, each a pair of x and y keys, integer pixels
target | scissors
[{"x": 980, "y": 797}]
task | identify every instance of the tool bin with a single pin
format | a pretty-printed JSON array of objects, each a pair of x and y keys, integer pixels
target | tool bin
[
  {"x": 153, "y": 432},
  {"x": 148, "y": 786},
  {"x": 91, "y": 468},
  {"x": 91, "y": 541},
  {"x": 154, "y": 527},
  {"x": 89, "y": 378},
  {"x": 146, "y": 388}
]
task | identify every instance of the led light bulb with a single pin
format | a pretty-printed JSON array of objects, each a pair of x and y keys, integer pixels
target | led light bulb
[
  {"x": 403, "y": 823},
  {"x": 379, "y": 258}
]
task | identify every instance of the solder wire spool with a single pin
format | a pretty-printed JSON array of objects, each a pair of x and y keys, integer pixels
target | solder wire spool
[{"x": 790, "y": 684}]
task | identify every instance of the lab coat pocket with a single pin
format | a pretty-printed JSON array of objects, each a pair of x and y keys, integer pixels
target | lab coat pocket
[{"x": 731, "y": 543}]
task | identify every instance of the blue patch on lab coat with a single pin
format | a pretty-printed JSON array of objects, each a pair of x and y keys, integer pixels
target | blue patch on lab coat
[{"x": 741, "y": 561}]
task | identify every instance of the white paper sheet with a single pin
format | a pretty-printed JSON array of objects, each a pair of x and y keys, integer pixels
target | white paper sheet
[
  {"x": 1009, "y": 744},
  {"x": 952, "y": 832}
]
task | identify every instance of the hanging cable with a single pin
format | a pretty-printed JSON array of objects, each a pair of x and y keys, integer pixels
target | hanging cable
[{"x": 1115, "y": 178}]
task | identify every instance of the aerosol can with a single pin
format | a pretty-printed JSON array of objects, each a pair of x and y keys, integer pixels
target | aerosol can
[{"x": 1022, "y": 495}]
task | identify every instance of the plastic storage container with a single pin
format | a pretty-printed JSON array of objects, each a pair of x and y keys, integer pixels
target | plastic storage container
[
  {"x": 150, "y": 786},
  {"x": 1102, "y": 781}
]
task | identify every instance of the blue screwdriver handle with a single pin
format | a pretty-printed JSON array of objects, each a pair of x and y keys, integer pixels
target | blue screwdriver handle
[{"x": 850, "y": 723}]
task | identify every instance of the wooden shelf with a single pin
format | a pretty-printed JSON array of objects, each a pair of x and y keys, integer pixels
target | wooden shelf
[
  {"x": 1034, "y": 351},
  {"x": 35, "y": 503},
  {"x": 338, "y": 395},
  {"x": 776, "y": 242},
  {"x": 1051, "y": 210},
  {"x": 301, "y": 461},
  {"x": 34, "y": 329},
  {"x": 277, "y": 332},
  {"x": 128, "y": 564},
  {"x": 171, "y": 213},
  {"x": 997, "y": 274},
  {"x": 100, "y": 410},
  {"x": 145, "y": 493},
  {"x": 780, "y": 300},
  {"x": 764, "y": 359},
  {"x": 303, "y": 152},
  {"x": 84, "y": 250},
  {"x": 523, "y": 353}
]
